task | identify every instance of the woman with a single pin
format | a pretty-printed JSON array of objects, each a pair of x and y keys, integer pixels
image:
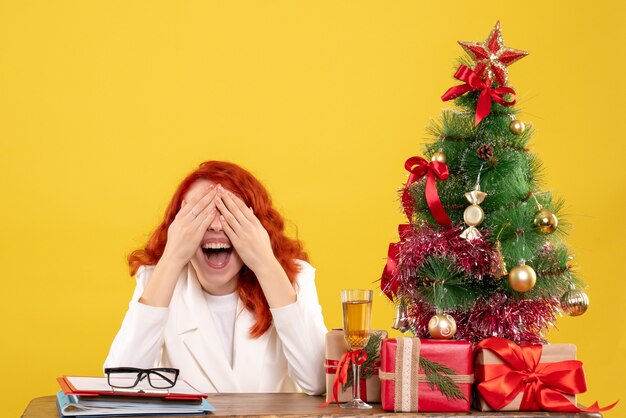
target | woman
[{"x": 222, "y": 294}]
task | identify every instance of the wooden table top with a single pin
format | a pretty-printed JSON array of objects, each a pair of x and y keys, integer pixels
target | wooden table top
[{"x": 292, "y": 405}]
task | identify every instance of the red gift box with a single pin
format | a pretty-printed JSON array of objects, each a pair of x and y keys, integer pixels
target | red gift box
[
  {"x": 489, "y": 366},
  {"x": 529, "y": 378},
  {"x": 404, "y": 385}
]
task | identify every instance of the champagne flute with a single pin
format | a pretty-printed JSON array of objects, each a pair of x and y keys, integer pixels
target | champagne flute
[{"x": 357, "y": 313}]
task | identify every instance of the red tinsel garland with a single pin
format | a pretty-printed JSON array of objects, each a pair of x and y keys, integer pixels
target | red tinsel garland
[
  {"x": 524, "y": 320},
  {"x": 495, "y": 314},
  {"x": 475, "y": 258}
]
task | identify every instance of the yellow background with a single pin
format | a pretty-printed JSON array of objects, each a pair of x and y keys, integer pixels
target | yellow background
[{"x": 105, "y": 106}]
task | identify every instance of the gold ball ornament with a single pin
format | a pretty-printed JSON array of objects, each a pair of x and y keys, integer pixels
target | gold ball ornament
[
  {"x": 546, "y": 221},
  {"x": 439, "y": 156},
  {"x": 574, "y": 302},
  {"x": 517, "y": 127},
  {"x": 442, "y": 326},
  {"x": 522, "y": 278}
]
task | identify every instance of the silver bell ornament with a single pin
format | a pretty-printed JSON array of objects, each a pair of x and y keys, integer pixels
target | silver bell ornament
[{"x": 401, "y": 323}]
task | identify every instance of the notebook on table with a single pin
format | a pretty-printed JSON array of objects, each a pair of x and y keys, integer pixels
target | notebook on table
[{"x": 98, "y": 386}]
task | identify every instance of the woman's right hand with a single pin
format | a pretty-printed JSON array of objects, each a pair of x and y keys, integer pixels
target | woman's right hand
[
  {"x": 191, "y": 222},
  {"x": 183, "y": 240}
]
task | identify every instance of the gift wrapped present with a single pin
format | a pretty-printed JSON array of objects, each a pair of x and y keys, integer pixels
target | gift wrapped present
[
  {"x": 425, "y": 375},
  {"x": 528, "y": 378},
  {"x": 369, "y": 384}
]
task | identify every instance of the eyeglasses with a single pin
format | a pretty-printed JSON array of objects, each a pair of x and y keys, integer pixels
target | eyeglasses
[{"x": 129, "y": 377}]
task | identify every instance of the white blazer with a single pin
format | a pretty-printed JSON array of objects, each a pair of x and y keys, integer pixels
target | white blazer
[{"x": 289, "y": 357}]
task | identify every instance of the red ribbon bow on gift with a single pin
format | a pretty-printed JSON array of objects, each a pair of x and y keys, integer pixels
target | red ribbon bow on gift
[
  {"x": 357, "y": 357},
  {"x": 419, "y": 167},
  {"x": 487, "y": 94},
  {"x": 543, "y": 385}
]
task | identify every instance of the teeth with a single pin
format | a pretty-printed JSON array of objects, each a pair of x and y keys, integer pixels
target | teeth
[{"x": 215, "y": 246}]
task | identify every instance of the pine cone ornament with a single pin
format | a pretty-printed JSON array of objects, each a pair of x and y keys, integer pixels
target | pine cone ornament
[{"x": 485, "y": 152}]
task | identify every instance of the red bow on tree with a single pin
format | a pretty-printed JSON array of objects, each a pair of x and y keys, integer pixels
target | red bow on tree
[
  {"x": 419, "y": 167},
  {"x": 487, "y": 94},
  {"x": 544, "y": 386},
  {"x": 388, "y": 283}
]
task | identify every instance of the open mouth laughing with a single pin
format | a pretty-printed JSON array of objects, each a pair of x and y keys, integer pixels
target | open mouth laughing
[{"x": 217, "y": 252}]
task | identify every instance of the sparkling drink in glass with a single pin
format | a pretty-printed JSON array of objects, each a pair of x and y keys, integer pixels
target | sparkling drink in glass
[{"x": 357, "y": 314}]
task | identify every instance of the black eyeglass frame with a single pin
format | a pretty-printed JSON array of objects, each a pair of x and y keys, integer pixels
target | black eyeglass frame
[{"x": 142, "y": 374}]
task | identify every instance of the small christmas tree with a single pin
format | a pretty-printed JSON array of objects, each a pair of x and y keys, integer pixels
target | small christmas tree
[{"x": 483, "y": 254}]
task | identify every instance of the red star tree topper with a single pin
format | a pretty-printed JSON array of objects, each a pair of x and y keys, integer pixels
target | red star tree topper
[{"x": 492, "y": 56}]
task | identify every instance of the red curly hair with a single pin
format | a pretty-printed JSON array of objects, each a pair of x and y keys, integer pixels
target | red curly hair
[{"x": 254, "y": 194}]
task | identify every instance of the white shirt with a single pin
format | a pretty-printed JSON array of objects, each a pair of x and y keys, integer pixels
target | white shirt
[{"x": 223, "y": 310}]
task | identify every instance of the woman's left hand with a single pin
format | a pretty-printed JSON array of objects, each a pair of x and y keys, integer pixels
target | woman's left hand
[{"x": 245, "y": 231}]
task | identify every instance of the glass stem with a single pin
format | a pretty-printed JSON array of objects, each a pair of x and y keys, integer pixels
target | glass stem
[{"x": 356, "y": 373}]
